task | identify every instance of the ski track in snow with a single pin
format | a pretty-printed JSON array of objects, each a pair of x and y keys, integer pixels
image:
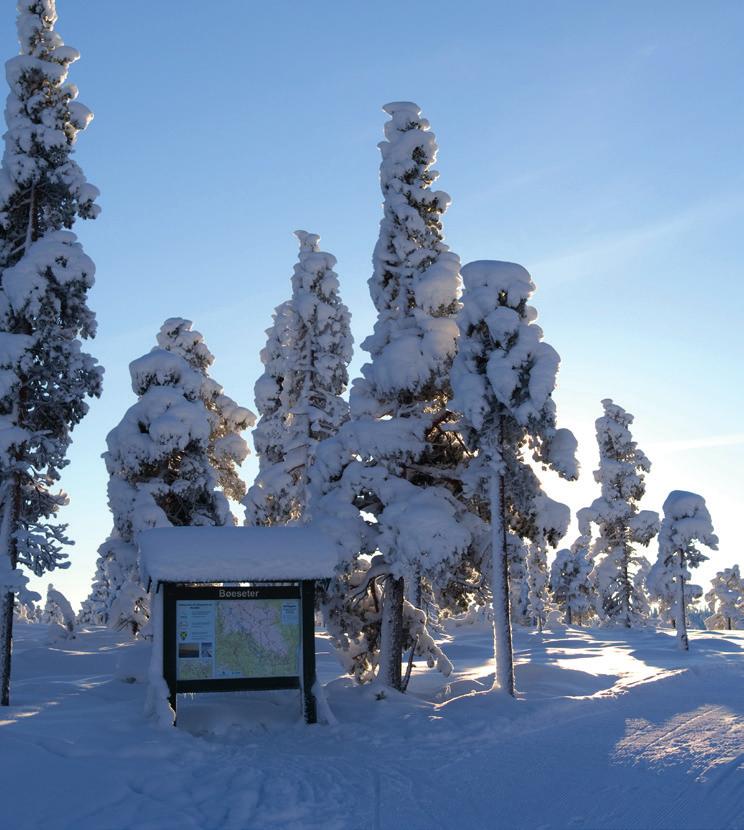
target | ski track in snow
[{"x": 611, "y": 730}]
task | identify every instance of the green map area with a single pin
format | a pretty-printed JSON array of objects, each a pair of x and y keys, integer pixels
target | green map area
[
  {"x": 257, "y": 638},
  {"x": 237, "y": 638}
]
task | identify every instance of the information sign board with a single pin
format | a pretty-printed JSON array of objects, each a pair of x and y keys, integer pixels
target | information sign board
[{"x": 231, "y": 638}]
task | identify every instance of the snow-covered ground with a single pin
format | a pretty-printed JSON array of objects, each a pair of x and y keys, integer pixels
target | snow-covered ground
[{"x": 613, "y": 729}]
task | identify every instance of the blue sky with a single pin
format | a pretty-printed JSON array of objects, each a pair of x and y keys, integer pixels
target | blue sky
[{"x": 598, "y": 144}]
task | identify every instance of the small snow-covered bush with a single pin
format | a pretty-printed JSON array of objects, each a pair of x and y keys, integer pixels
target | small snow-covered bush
[{"x": 58, "y": 615}]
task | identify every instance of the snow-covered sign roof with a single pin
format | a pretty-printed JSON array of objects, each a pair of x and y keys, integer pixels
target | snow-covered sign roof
[{"x": 235, "y": 554}]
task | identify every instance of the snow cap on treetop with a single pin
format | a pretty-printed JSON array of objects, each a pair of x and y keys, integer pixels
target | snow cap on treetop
[
  {"x": 401, "y": 106},
  {"x": 164, "y": 368},
  {"x": 691, "y": 519},
  {"x": 681, "y": 503},
  {"x": 616, "y": 411},
  {"x": 308, "y": 241},
  {"x": 36, "y": 19},
  {"x": 176, "y": 335},
  {"x": 400, "y": 110},
  {"x": 313, "y": 263},
  {"x": 509, "y": 278}
]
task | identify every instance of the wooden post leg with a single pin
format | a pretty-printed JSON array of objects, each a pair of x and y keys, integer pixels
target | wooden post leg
[{"x": 308, "y": 676}]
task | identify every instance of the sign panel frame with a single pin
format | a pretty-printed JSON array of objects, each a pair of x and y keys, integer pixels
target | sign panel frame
[{"x": 304, "y": 680}]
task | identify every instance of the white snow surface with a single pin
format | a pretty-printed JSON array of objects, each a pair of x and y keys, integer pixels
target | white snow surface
[
  {"x": 612, "y": 729},
  {"x": 235, "y": 554}
]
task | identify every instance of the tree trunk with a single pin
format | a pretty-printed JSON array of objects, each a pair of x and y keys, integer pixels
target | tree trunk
[
  {"x": 681, "y": 620},
  {"x": 391, "y": 634},
  {"x": 12, "y": 505},
  {"x": 11, "y": 512},
  {"x": 569, "y": 616},
  {"x": 728, "y": 623},
  {"x": 626, "y": 589},
  {"x": 6, "y": 643},
  {"x": 502, "y": 634}
]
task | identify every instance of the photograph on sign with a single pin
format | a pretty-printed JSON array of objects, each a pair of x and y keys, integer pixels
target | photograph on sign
[{"x": 237, "y": 638}]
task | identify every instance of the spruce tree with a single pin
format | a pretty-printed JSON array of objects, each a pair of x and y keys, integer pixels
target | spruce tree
[
  {"x": 267, "y": 501},
  {"x": 551, "y": 519},
  {"x": 166, "y": 461},
  {"x": 44, "y": 281},
  {"x": 726, "y": 600},
  {"x": 301, "y": 387},
  {"x": 621, "y": 525},
  {"x": 686, "y": 523},
  {"x": 180, "y": 365},
  {"x": 95, "y": 608},
  {"x": 570, "y": 576},
  {"x": 503, "y": 379},
  {"x": 227, "y": 448},
  {"x": 517, "y": 552},
  {"x": 395, "y": 460}
]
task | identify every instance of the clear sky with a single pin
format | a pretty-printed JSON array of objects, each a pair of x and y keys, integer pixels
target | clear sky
[{"x": 598, "y": 144}]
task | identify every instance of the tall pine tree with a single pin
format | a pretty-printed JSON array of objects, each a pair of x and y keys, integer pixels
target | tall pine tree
[
  {"x": 388, "y": 478},
  {"x": 306, "y": 359},
  {"x": 686, "y": 523},
  {"x": 267, "y": 501},
  {"x": 570, "y": 575},
  {"x": 622, "y": 526},
  {"x": 503, "y": 379},
  {"x": 44, "y": 281}
]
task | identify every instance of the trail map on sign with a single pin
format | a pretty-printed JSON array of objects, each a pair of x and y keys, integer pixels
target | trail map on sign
[{"x": 220, "y": 639}]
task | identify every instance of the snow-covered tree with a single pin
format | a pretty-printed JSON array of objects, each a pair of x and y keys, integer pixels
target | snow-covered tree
[
  {"x": 44, "y": 281},
  {"x": 726, "y": 600},
  {"x": 158, "y": 464},
  {"x": 537, "y": 584},
  {"x": 116, "y": 566},
  {"x": 569, "y": 576},
  {"x": 58, "y": 616},
  {"x": 227, "y": 448},
  {"x": 551, "y": 522},
  {"x": 158, "y": 449},
  {"x": 640, "y": 587},
  {"x": 660, "y": 584},
  {"x": 621, "y": 525},
  {"x": 517, "y": 552},
  {"x": 27, "y": 610},
  {"x": 503, "y": 379},
  {"x": 686, "y": 524},
  {"x": 267, "y": 500},
  {"x": 94, "y": 609},
  {"x": 387, "y": 480},
  {"x": 130, "y": 608},
  {"x": 306, "y": 359}
]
